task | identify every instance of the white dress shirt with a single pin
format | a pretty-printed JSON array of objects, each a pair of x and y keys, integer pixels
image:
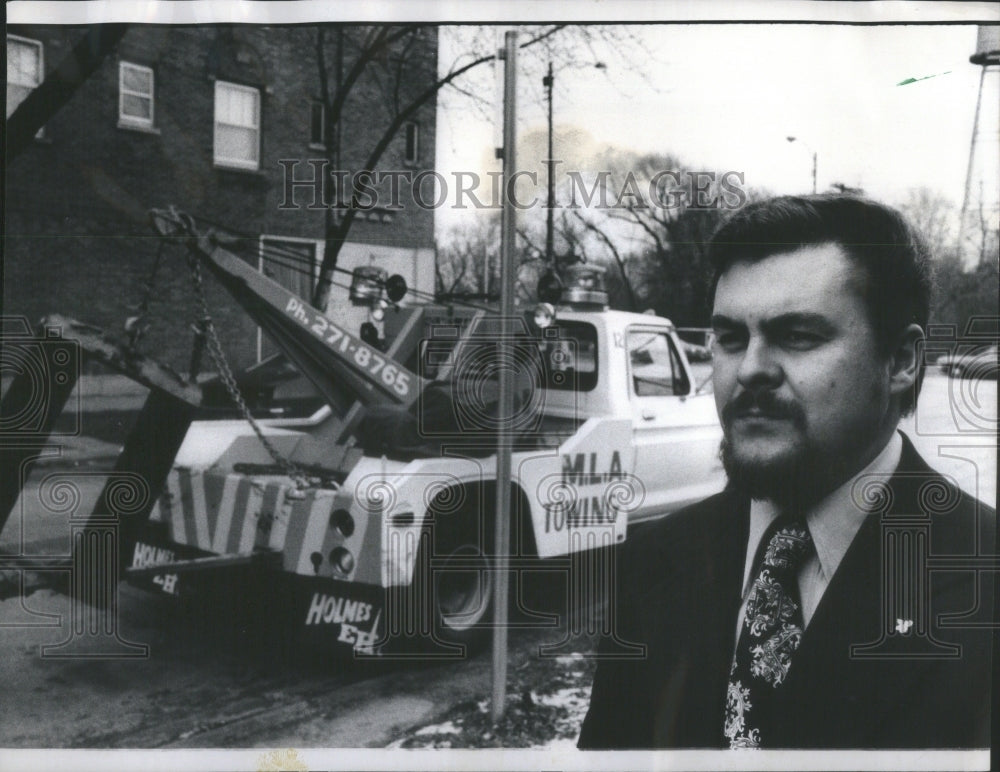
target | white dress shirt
[{"x": 833, "y": 523}]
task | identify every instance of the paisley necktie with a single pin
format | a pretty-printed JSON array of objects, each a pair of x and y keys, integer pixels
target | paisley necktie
[{"x": 771, "y": 632}]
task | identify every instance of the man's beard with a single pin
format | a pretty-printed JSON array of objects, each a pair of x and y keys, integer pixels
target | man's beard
[
  {"x": 792, "y": 478},
  {"x": 788, "y": 479}
]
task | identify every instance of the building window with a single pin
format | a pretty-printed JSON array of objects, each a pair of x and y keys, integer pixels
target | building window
[
  {"x": 317, "y": 123},
  {"x": 25, "y": 66},
  {"x": 412, "y": 143},
  {"x": 237, "y": 126},
  {"x": 135, "y": 95}
]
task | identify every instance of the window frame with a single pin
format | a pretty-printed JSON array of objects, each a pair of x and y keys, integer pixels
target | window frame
[
  {"x": 678, "y": 374},
  {"x": 228, "y": 162},
  {"x": 40, "y": 134},
  {"x": 132, "y": 121}
]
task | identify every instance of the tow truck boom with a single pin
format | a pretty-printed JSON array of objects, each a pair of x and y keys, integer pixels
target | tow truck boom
[{"x": 329, "y": 356}]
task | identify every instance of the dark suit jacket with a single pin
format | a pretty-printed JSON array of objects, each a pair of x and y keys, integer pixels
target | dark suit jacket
[{"x": 679, "y": 593}]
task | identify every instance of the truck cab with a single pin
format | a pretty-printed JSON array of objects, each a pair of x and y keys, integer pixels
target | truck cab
[{"x": 633, "y": 367}]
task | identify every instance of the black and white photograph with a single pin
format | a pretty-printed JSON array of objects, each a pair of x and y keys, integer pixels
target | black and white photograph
[{"x": 591, "y": 385}]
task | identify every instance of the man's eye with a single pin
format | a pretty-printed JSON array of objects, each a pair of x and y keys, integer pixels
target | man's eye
[
  {"x": 801, "y": 339},
  {"x": 729, "y": 340}
]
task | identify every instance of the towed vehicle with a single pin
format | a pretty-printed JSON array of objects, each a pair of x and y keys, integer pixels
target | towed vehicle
[{"x": 980, "y": 362}]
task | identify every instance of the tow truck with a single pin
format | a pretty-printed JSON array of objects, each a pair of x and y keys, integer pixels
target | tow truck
[{"x": 373, "y": 519}]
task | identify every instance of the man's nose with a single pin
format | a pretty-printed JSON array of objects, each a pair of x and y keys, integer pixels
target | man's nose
[{"x": 759, "y": 369}]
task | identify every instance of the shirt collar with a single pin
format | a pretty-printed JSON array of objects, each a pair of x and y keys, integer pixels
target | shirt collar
[{"x": 834, "y": 521}]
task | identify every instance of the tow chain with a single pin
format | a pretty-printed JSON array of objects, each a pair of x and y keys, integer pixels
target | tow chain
[
  {"x": 137, "y": 325},
  {"x": 215, "y": 350}
]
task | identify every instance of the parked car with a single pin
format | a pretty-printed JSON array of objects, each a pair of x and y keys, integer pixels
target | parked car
[{"x": 981, "y": 362}]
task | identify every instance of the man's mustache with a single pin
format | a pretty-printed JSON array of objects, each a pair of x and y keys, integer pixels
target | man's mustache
[{"x": 765, "y": 404}]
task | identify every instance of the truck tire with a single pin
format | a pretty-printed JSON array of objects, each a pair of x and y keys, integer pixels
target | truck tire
[
  {"x": 461, "y": 581},
  {"x": 454, "y": 576}
]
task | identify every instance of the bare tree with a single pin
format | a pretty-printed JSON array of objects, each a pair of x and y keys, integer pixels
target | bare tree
[
  {"x": 469, "y": 259},
  {"x": 342, "y": 63},
  {"x": 935, "y": 219},
  {"x": 653, "y": 217},
  {"x": 963, "y": 288},
  {"x": 623, "y": 278},
  {"x": 392, "y": 57}
]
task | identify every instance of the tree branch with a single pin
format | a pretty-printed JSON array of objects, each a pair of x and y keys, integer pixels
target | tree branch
[
  {"x": 60, "y": 85},
  {"x": 614, "y": 251},
  {"x": 335, "y": 240}
]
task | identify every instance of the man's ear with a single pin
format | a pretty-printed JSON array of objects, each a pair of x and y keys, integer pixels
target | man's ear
[{"x": 904, "y": 362}]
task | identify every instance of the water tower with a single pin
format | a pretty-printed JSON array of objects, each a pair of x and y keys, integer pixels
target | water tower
[{"x": 980, "y": 219}]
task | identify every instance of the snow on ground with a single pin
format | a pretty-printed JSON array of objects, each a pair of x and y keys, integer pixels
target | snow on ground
[
  {"x": 547, "y": 699},
  {"x": 448, "y": 727}
]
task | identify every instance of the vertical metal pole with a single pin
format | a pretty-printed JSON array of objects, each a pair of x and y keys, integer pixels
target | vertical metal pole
[
  {"x": 814, "y": 172},
  {"x": 503, "y": 514},
  {"x": 549, "y": 226}
]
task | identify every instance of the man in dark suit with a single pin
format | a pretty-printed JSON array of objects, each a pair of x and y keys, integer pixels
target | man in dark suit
[{"x": 838, "y": 593}]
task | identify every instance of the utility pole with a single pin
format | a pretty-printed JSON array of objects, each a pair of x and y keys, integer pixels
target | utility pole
[{"x": 547, "y": 81}]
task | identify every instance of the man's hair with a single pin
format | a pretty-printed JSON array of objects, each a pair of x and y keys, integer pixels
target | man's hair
[{"x": 892, "y": 256}]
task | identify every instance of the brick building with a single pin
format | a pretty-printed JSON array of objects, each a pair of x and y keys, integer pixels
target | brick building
[{"x": 199, "y": 117}]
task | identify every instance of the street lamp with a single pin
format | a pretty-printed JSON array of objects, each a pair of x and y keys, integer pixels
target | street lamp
[
  {"x": 796, "y": 139},
  {"x": 547, "y": 82}
]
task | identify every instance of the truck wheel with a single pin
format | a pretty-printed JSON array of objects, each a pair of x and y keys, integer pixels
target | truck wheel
[
  {"x": 462, "y": 583},
  {"x": 463, "y": 593}
]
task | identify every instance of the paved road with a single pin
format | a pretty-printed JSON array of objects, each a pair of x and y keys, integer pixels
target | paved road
[{"x": 213, "y": 682}]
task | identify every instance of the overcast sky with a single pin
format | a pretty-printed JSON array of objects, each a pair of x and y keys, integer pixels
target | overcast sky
[{"x": 725, "y": 97}]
